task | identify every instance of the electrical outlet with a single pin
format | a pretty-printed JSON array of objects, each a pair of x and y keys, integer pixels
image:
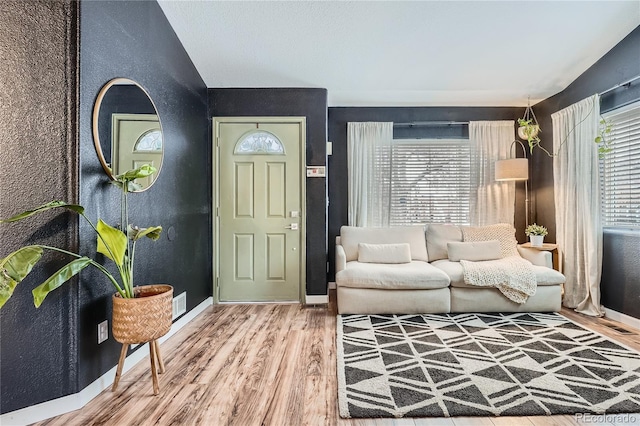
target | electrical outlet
[{"x": 103, "y": 331}]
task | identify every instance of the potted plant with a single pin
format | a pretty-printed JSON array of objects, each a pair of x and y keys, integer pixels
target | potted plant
[
  {"x": 529, "y": 128},
  {"x": 536, "y": 234},
  {"x": 140, "y": 314},
  {"x": 528, "y": 131}
]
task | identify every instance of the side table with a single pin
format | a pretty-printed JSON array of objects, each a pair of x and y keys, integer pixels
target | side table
[{"x": 553, "y": 248}]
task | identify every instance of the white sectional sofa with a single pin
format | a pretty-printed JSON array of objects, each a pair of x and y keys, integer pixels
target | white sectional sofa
[{"x": 411, "y": 270}]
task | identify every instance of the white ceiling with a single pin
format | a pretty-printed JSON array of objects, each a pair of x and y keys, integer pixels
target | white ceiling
[{"x": 401, "y": 53}]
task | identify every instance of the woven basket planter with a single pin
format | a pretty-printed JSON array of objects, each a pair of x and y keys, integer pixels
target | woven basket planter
[{"x": 144, "y": 318}]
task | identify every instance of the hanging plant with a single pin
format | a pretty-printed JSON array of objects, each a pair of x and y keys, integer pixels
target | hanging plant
[
  {"x": 602, "y": 140},
  {"x": 529, "y": 130}
]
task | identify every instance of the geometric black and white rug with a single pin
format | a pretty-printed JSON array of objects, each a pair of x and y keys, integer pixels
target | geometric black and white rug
[{"x": 448, "y": 365}]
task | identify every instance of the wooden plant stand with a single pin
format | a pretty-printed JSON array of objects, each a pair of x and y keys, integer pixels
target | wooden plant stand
[{"x": 154, "y": 356}]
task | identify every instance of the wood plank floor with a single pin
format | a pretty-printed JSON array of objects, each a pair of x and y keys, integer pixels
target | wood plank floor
[{"x": 260, "y": 365}]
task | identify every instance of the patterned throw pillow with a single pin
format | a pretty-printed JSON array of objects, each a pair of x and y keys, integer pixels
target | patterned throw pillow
[{"x": 503, "y": 232}]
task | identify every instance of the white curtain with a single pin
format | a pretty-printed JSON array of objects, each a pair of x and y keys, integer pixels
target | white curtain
[
  {"x": 490, "y": 201},
  {"x": 576, "y": 188},
  {"x": 369, "y": 173}
]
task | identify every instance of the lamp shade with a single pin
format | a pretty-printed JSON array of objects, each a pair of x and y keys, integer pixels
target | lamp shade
[{"x": 512, "y": 169}]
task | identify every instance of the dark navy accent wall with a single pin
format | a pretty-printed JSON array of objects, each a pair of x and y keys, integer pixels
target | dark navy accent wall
[
  {"x": 620, "y": 283},
  {"x": 47, "y": 152},
  {"x": 312, "y": 104},
  {"x": 133, "y": 39},
  {"x": 340, "y": 116}
]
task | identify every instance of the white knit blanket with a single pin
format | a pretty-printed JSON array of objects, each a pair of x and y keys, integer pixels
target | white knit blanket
[{"x": 512, "y": 275}]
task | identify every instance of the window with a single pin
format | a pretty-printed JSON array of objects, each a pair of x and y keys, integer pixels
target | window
[
  {"x": 259, "y": 142},
  {"x": 620, "y": 169},
  {"x": 430, "y": 181},
  {"x": 150, "y": 141}
]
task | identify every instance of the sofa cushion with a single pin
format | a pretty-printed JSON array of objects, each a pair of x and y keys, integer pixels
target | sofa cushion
[
  {"x": 351, "y": 236},
  {"x": 414, "y": 275},
  {"x": 474, "y": 251},
  {"x": 546, "y": 299},
  {"x": 384, "y": 253},
  {"x": 503, "y": 232},
  {"x": 544, "y": 276},
  {"x": 437, "y": 238}
]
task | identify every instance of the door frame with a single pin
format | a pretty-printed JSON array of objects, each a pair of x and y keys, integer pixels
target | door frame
[{"x": 215, "y": 152}]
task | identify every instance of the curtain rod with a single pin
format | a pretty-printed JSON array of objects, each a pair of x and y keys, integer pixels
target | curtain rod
[
  {"x": 620, "y": 85},
  {"x": 431, "y": 123}
]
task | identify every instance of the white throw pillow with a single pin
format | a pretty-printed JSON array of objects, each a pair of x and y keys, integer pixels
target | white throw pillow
[
  {"x": 502, "y": 232},
  {"x": 474, "y": 251},
  {"x": 384, "y": 253}
]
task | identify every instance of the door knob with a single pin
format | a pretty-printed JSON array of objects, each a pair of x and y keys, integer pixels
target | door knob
[{"x": 293, "y": 226}]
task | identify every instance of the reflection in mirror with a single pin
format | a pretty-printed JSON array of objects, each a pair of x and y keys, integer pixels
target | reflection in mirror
[{"x": 126, "y": 130}]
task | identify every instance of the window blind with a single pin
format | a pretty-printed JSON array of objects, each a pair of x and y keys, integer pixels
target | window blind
[
  {"x": 620, "y": 169},
  {"x": 430, "y": 181}
]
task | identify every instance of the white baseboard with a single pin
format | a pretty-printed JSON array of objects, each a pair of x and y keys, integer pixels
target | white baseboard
[
  {"x": 66, "y": 404},
  {"x": 623, "y": 318},
  {"x": 316, "y": 300},
  {"x": 332, "y": 285}
]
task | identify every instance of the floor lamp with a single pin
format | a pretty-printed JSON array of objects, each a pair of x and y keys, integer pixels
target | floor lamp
[{"x": 515, "y": 169}]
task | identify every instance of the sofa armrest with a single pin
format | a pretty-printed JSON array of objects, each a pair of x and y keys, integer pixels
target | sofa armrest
[
  {"x": 537, "y": 257},
  {"x": 341, "y": 258}
]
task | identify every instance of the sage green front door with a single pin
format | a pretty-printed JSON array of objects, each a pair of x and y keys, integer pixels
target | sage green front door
[{"x": 260, "y": 209}]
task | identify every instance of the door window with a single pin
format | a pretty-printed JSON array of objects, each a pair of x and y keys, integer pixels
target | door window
[{"x": 259, "y": 142}]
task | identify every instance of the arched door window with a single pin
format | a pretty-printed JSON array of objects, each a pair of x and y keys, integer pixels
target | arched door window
[
  {"x": 150, "y": 141},
  {"x": 259, "y": 142}
]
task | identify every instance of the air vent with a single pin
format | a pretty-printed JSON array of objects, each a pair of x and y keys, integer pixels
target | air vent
[
  {"x": 179, "y": 305},
  {"x": 618, "y": 329}
]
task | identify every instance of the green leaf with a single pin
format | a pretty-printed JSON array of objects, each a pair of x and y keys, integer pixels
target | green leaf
[
  {"x": 598, "y": 139},
  {"x": 15, "y": 267},
  {"x": 51, "y": 205},
  {"x": 152, "y": 232},
  {"x": 63, "y": 275},
  {"x": 113, "y": 243},
  {"x": 142, "y": 171}
]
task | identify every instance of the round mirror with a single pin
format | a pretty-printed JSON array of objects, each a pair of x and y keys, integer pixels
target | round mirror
[{"x": 126, "y": 130}]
